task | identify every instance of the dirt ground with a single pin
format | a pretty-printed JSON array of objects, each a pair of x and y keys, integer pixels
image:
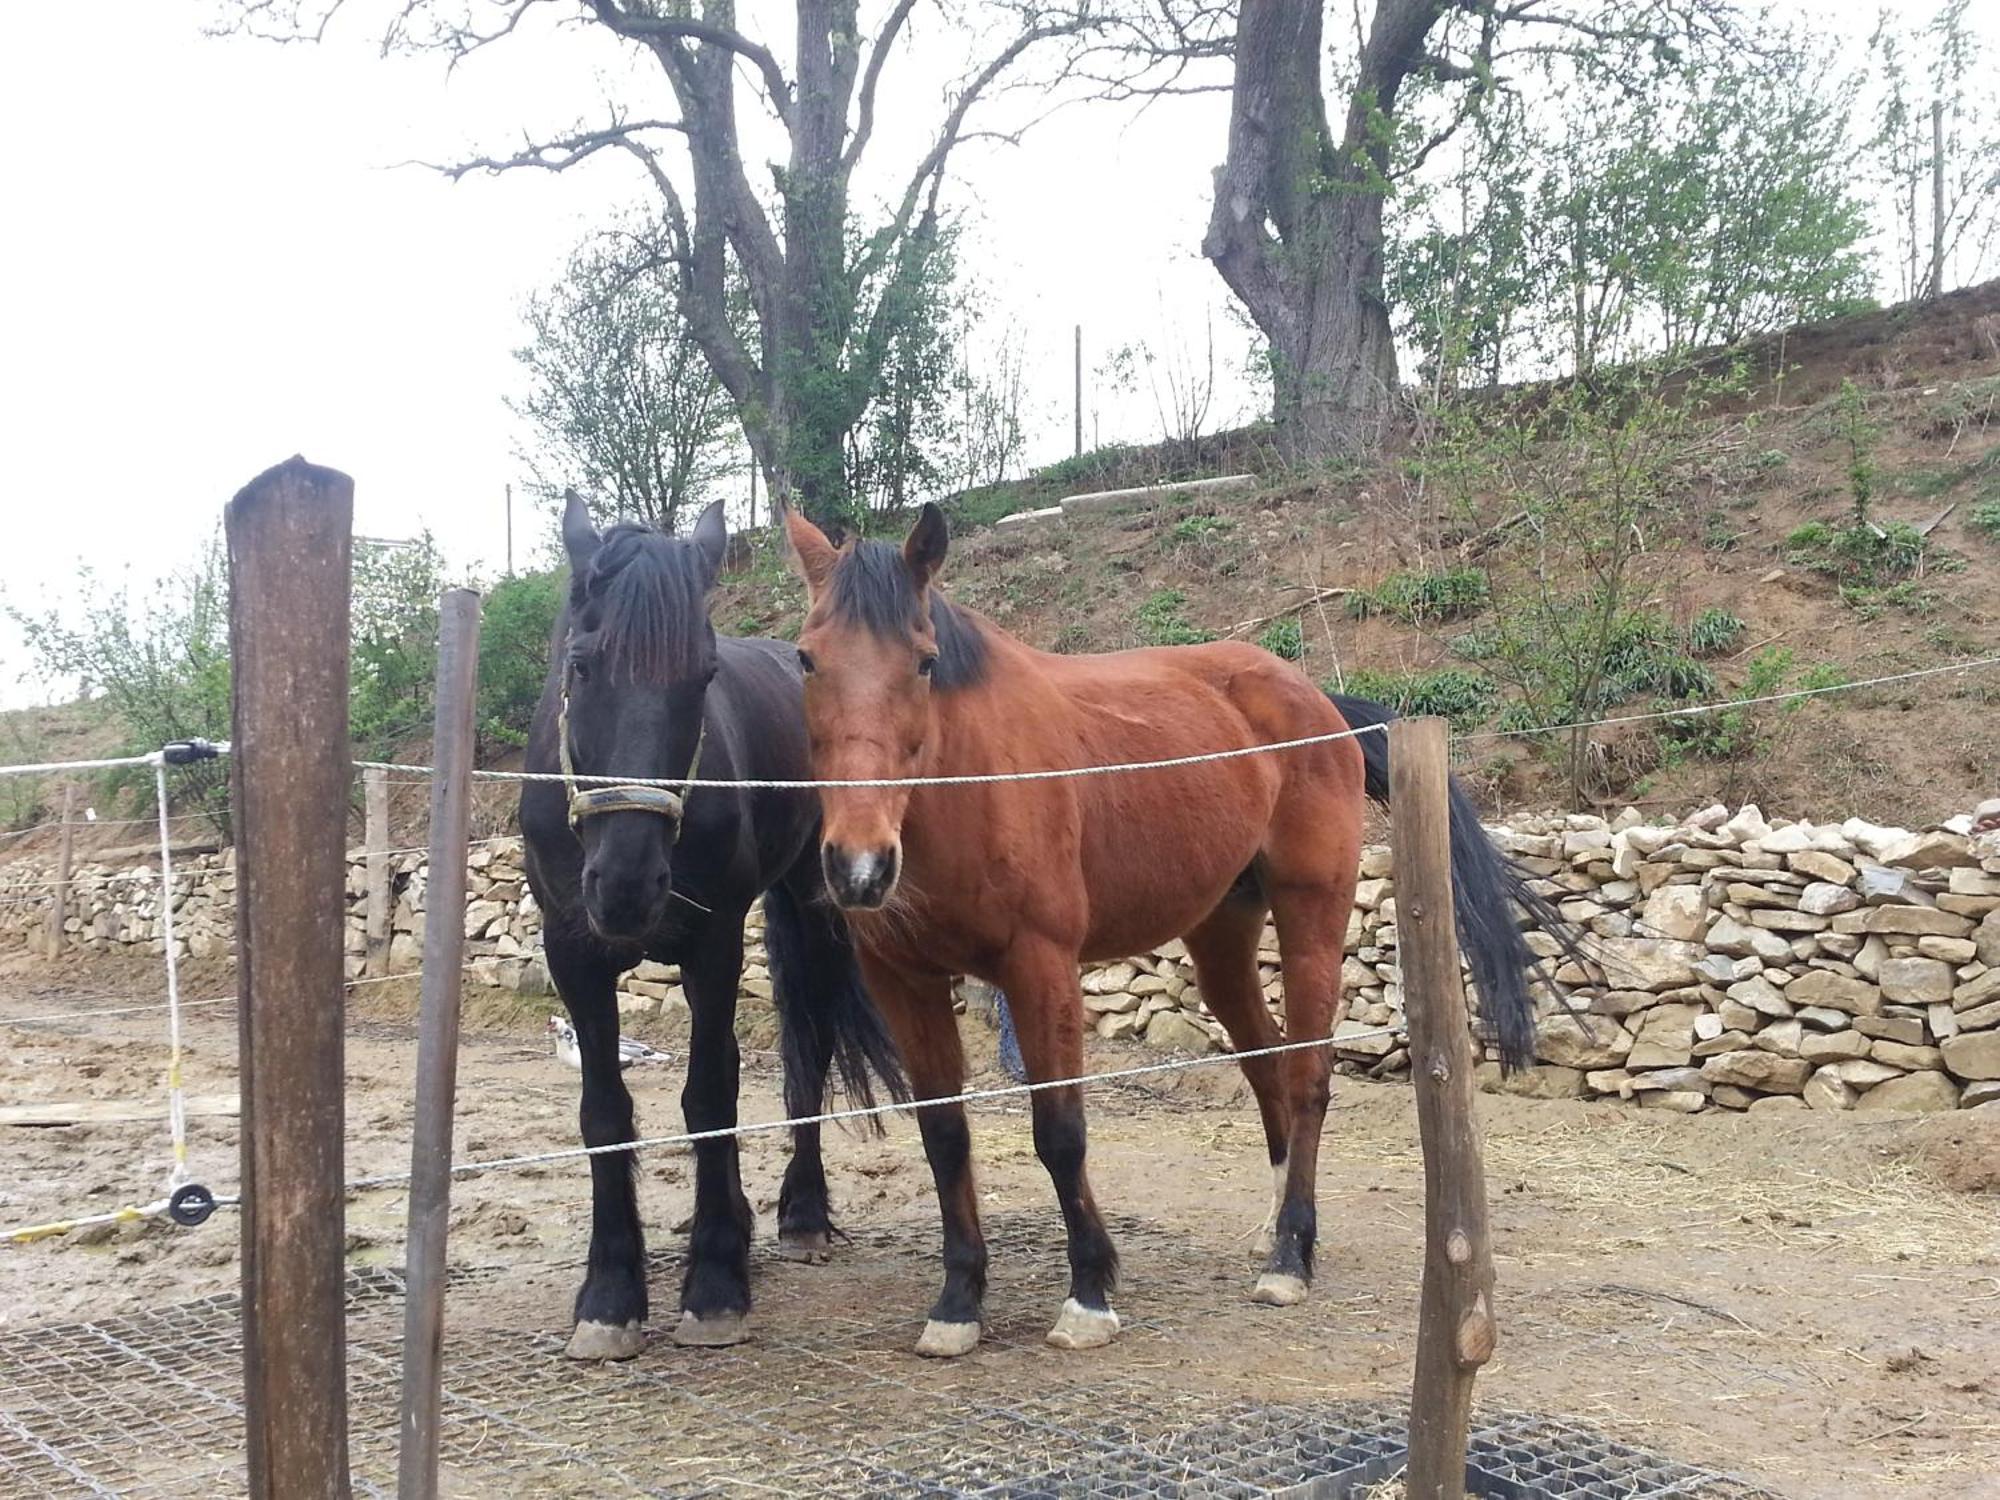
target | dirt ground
[{"x": 1809, "y": 1301}]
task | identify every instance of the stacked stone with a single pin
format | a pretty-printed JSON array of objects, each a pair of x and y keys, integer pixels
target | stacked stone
[
  {"x": 1752, "y": 965},
  {"x": 1745, "y": 964},
  {"x": 116, "y": 908}
]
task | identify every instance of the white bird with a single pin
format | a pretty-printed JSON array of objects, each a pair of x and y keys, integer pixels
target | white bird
[{"x": 630, "y": 1050}]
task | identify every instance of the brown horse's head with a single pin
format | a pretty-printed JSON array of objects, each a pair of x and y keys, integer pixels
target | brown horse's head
[{"x": 877, "y": 646}]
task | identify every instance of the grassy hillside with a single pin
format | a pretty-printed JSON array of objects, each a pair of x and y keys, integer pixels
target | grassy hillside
[
  {"x": 1916, "y": 389},
  {"x": 1397, "y": 579}
]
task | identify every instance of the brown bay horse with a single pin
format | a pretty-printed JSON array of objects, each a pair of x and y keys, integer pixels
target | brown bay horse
[{"x": 1018, "y": 882}]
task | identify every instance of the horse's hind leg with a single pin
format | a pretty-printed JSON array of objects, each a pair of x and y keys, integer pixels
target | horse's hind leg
[
  {"x": 611, "y": 1303},
  {"x": 1041, "y": 984},
  {"x": 1309, "y": 874},
  {"x": 1224, "y": 950},
  {"x": 804, "y": 954}
]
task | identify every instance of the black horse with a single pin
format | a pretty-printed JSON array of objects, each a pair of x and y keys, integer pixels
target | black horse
[{"x": 640, "y": 685}]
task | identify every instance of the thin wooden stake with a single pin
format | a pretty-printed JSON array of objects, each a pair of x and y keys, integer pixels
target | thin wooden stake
[
  {"x": 437, "y": 1045},
  {"x": 59, "y": 901},
  {"x": 1455, "y": 1325},
  {"x": 375, "y": 808},
  {"x": 290, "y": 556},
  {"x": 1937, "y": 200}
]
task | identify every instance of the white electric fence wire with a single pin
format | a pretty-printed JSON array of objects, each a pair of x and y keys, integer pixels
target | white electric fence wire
[{"x": 176, "y": 1095}]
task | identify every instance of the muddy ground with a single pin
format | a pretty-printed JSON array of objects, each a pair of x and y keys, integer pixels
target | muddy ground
[{"x": 1811, "y": 1301}]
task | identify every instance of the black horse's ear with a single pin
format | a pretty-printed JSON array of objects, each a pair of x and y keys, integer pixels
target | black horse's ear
[
  {"x": 711, "y": 541},
  {"x": 923, "y": 550},
  {"x": 579, "y": 536}
]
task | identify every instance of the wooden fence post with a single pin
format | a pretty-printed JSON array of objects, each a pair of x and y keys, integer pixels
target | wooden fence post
[
  {"x": 375, "y": 809},
  {"x": 437, "y": 1045},
  {"x": 289, "y": 535},
  {"x": 1455, "y": 1325},
  {"x": 59, "y": 901}
]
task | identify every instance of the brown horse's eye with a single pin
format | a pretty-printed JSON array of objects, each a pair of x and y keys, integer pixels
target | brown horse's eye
[
  {"x": 926, "y": 666},
  {"x": 806, "y": 663}
]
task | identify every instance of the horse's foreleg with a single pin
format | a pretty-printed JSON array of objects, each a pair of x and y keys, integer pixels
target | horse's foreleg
[
  {"x": 918, "y": 1010},
  {"x": 611, "y": 1304},
  {"x": 715, "y": 1293},
  {"x": 1041, "y": 985},
  {"x": 1224, "y": 950}
]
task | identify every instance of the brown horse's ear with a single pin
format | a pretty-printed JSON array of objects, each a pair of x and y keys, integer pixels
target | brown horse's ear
[
  {"x": 923, "y": 549},
  {"x": 812, "y": 553}
]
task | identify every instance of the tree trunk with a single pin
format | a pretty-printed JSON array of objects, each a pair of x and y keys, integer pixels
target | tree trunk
[
  {"x": 1334, "y": 372},
  {"x": 1296, "y": 228}
]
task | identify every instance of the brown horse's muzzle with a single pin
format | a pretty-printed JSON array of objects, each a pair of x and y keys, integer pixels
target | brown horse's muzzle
[{"x": 861, "y": 879}]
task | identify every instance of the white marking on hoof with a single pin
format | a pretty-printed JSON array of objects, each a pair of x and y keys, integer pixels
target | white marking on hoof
[
  {"x": 814, "y": 1249},
  {"x": 947, "y": 1340},
  {"x": 600, "y": 1341},
  {"x": 1279, "y": 1289},
  {"x": 717, "y": 1332},
  {"x": 1082, "y": 1327}
]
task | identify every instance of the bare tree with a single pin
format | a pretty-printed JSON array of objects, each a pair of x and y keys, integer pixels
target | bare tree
[
  {"x": 619, "y": 400},
  {"x": 1297, "y": 223},
  {"x": 822, "y": 314}
]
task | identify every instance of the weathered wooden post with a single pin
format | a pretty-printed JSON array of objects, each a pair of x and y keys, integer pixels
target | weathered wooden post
[
  {"x": 289, "y": 536},
  {"x": 437, "y": 1045},
  {"x": 1455, "y": 1325},
  {"x": 59, "y": 900},
  {"x": 375, "y": 827}
]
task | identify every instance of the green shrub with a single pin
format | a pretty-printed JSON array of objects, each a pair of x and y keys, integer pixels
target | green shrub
[
  {"x": 1864, "y": 552},
  {"x": 1713, "y": 630},
  {"x": 1465, "y": 698},
  {"x": 1416, "y": 597},
  {"x": 1284, "y": 638},
  {"x": 1984, "y": 518},
  {"x": 514, "y": 631},
  {"x": 1161, "y": 622}
]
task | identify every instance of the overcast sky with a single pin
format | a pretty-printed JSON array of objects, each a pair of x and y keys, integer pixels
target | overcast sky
[{"x": 213, "y": 259}]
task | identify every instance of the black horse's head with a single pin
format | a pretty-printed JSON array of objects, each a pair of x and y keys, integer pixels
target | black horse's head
[{"x": 639, "y": 655}]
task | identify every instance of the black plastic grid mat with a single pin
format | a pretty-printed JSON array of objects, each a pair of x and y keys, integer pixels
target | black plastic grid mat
[{"x": 148, "y": 1405}]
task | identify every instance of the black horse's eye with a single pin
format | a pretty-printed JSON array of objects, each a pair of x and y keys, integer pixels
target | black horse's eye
[
  {"x": 926, "y": 665},
  {"x": 806, "y": 663},
  {"x": 580, "y": 670}
]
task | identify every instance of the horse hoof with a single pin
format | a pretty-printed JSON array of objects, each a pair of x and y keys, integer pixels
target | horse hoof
[
  {"x": 947, "y": 1340},
  {"x": 812, "y": 1248},
  {"x": 1082, "y": 1327},
  {"x": 602, "y": 1341},
  {"x": 718, "y": 1331},
  {"x": 1279, "y": 1289}
]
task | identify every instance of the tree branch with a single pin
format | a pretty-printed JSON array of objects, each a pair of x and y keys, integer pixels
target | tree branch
[
  {"x": 557, "y": 155},
  {"x": 864, "y": 124},
  {"x": 651, "y": 29}
]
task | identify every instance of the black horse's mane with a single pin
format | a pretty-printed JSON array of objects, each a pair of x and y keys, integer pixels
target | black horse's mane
[
  {"x": 650, "y": 593},
  {"x": 871, "y": 587}
]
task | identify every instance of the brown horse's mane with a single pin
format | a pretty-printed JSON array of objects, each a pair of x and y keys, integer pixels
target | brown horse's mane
[{"x": 872, "y": 587}]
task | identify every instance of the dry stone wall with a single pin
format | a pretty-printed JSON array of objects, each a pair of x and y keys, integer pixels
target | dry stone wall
[{"x": 1745, "y": 964}]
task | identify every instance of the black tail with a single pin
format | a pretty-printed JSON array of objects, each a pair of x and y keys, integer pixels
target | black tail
[
  {"x": 1485, "y": 883},
  {"x": 824, "y": 1012}
]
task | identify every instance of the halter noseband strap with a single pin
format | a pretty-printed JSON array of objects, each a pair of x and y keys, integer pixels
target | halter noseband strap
[{"x": 591, "y": 801}]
